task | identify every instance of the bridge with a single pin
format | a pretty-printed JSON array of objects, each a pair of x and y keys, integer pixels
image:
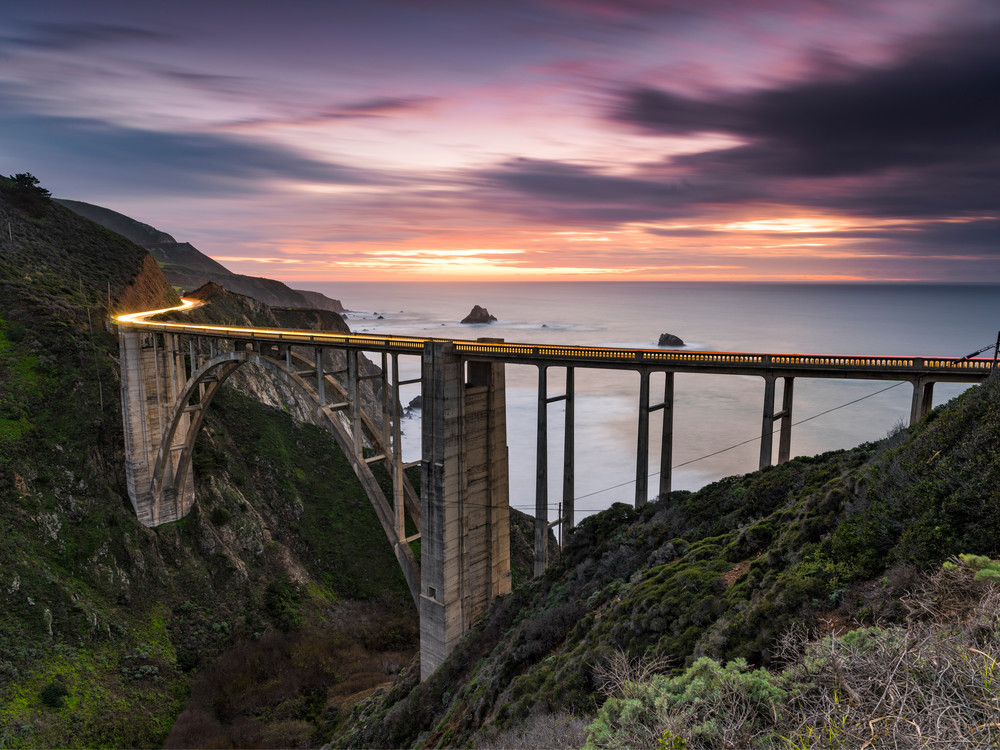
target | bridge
[{"x": 172, "y": 370}]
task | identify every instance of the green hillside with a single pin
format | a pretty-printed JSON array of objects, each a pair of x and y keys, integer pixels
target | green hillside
[
  {"x": 105, "y": 625},
  {"x": 722, "y": 573},
  {"x": 260, "y": 618}
]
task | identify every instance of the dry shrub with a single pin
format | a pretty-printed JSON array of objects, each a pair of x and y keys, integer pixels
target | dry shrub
[
  {"x": 618, "y": 673},
  {"x": 933, "y": 683},
  {"x": 541, "y": 730}
]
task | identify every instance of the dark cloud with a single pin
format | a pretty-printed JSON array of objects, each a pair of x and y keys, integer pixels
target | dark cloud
[
  {"x": 918, "y": 138},
  {"x": 573, "y": 192},
  {"x": 685, "y": 232},
  {"x": 169, "y": 162},
  {"x": 60, "y": 37},
  {"x": 937, "y": 105},
  {"x": 385, "y": 105},
  {"x": 980, "y": 236},
  {"x": 369, "y": 108},
  {"x": 977, "y": 236}
]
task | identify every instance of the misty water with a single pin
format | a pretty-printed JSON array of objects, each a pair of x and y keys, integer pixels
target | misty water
[{"x": 712, "y": 412}]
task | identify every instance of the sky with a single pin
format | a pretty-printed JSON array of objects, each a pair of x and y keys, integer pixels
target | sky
[{"x": 494, "y": 140}]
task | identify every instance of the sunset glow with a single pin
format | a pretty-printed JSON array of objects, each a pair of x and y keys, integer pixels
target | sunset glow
[{"x": 536, "y": 139}]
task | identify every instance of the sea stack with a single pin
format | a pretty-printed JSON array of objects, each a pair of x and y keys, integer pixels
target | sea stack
[
  {"x": 668, "y": 339},
  {"x": 479, "y": 315}
]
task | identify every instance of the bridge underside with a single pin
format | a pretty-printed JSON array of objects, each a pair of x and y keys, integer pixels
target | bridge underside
[{"x": 462, "y": 519}]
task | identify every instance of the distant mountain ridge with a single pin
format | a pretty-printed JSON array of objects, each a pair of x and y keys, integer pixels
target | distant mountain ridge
[{"x": 187, "y": 267}]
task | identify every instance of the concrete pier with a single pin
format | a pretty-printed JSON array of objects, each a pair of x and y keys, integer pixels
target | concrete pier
[
  {"x": 465, "y": 538},
  {"x": 153, "y": 376}
]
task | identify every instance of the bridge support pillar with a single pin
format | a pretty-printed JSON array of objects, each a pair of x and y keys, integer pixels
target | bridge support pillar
[
  {"x": 465, "y": 529},
  {"x": 785, "y": 436},
  {"x": 569, "y": 458},
  {"x": 667, "y": 435},
  {"x": 153, "y": 374},
  {"x": 923, "y": 400},
  {"x": 542, "y": 475},
  {"x": 767, "y": 424},
  {"x": 666, "y": 438},
  {"x": 642, "y": 444}
]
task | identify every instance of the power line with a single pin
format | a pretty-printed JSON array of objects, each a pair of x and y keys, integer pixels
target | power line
[{"x": 755, "y": 439}]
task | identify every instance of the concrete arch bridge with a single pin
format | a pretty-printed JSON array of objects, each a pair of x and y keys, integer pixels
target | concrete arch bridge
[{"x": 172, "y": 371}]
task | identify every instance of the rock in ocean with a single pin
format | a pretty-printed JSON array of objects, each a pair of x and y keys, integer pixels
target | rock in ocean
[{"x": 479, "y": 315}]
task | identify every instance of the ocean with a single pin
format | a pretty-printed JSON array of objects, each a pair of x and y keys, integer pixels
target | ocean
[{"x": 712, "y": 412}]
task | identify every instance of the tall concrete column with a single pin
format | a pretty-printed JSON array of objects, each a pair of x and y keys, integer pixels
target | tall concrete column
[
  {"x": 667, "y": 435},
  {"x": 542, "y": 474},
  {"x": 465, "y": 533},
  {"x": 923, "y": 399},
  {"x": 767, "y": 423},
  {"x": 397, "y": 454},
  {"x": 569, "y": 455},
  {"x": 785, "y": 436},
  {"x": 151, "y": 382},
  {"x": 642, "y": 443}
]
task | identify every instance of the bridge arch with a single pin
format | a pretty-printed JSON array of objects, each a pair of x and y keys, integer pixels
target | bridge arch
[{"x": 171, "y": 488}]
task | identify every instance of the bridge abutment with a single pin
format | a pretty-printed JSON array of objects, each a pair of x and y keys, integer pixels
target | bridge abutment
[{"x": 465, "y": 526}]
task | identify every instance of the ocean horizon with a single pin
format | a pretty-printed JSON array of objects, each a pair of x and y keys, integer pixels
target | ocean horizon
[{"x": 717, "y": 417}]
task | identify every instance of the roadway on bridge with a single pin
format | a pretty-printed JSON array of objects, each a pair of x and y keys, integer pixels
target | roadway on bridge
[{"x": 944, "y": 369}]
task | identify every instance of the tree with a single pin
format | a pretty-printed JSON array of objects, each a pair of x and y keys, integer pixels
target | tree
[{"x": 25, "y": 192}]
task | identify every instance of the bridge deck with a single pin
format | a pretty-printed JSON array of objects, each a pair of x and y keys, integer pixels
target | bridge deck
[{"x": 856, "y": 367}]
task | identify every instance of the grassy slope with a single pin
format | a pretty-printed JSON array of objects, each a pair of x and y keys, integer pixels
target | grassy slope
[
  {"x": 721, "y": 572},
  {"x": 249, "y": 606},
  {"x": 118, "y": 616}
]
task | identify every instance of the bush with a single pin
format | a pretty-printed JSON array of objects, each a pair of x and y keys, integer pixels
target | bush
[
  {"x": 283, "y": 602},
  {"x": 54, "y": 694},
  {"x": 931, "y": 683},
  {"x": 708, "y": 704},
  {"x": 24, "y": 191}
]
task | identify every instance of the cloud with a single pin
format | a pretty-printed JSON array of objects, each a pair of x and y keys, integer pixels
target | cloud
[
  {"x": 62, "y": 37},
  {"x": 579, "y": 194},
  {"x": 170, "y": 162},
  {"x": 915, "y": 138},
  {"x": 931, "y": 107},
  {"x": 361, "y": 110}
]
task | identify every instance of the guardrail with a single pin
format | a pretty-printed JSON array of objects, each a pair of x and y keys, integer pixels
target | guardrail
[{"x": 580, "y": 355}]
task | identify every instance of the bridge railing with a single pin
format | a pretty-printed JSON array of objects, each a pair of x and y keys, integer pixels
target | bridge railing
[{"x": 526, "y": 353}]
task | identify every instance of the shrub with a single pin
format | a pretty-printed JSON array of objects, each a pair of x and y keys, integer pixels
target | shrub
[
  {"x": 283, "y": 602},
  {"x": 53, "y": 695}
]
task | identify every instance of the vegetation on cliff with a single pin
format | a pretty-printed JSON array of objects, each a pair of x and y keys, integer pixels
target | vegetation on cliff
[
  {"x": 104, "y": 624},
  {"x": 722, "y": 573},
  {"x": 258, "y": 619}
]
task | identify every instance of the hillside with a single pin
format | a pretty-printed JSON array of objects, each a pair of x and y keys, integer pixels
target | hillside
[
  {"x": 104, "y": 624},
  {"x": 188, "y": 268},
  {"x": 827, "y": 541},
  {"x": 258, "y": 619}
]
